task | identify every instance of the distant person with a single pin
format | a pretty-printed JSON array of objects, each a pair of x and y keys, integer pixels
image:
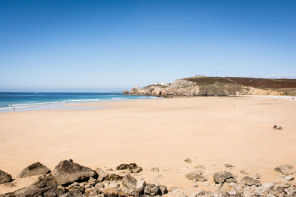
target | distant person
[{"x": 14, "y": 109}]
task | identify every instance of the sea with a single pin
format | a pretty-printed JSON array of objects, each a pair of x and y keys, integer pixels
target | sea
[{"x": 26, "y": 101}]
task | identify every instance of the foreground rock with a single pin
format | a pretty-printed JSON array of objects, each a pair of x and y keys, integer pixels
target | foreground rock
[
  {"x": 197, "y": 175},
  {"x": 45, "y": 186},
  {"x": 286, "y": 169},
  {"x": 89, "y": 183},
  {"x": 132, "y": 167},
  {"x": 5, "y": 177},
  {"x": 102, "y": 175},
  {"x": 66, "y": 172},
  {"x": 250, "y": 181},
  {"x": 224, "y": 176},
  {"x": 129, "y": 182},
  {"x": 70, "y": 179},
  {"x": 34, "y": 170},
  {"x": 154, "y": 190},
  {"x": 134, "y": 187}
]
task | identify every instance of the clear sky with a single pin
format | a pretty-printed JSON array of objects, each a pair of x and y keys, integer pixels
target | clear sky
[{"x": 114, "y": 45}]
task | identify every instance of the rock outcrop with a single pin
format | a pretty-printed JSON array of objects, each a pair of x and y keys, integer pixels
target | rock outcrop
[{"x": 218, "y": 86}]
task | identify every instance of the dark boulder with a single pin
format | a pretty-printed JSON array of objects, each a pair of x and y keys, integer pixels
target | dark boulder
[
  {"x": 129, "y": 182},
  {"x": 5, "y": 177},
  {"x": 152, "y": 190},
  {"x": 45, "y": 186},
  {"x": 34, "y": 170},
  {"x": 102, "y": 175},
  {"x": 114, "y": 177},
  {"x": 250, "y": 181},
  {"x": 224, "y": 176},
  {"x": 286, "y": 169},
  {"x": 67, "y": 172},
  {"x": 132, "y": 167}
]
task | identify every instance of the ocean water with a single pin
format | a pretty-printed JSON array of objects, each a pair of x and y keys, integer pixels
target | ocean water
[{"x": 23, "y": 101}]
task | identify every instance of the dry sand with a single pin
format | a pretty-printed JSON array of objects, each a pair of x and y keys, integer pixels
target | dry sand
[{"x": 159, "y": 133}]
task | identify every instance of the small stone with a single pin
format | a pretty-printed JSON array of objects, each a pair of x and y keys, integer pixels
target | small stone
[
  {"x": 200, "y": 167},
  {"x": 244, "y": 172},
  {"x": 132, "y": 167},
  {"x": 197, "y": 175},
  {"x": 154, "y": 170},
  {"x": 188, "y": 160},
  {"x": 229, "y": 165},
  {"x": 109, "y": 169},
  {"x": 257, "y": 176},
  {"x": 289, "y": 177},
  {"x": 250, "y": 181}
]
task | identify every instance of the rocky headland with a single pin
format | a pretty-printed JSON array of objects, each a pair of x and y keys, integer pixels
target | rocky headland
[
  {"x": 218, "y": 86},
  {"x": 72, "y": 179}
]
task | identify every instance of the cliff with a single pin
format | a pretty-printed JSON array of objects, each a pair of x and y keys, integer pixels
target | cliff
[{"x": 218, "y": 86}]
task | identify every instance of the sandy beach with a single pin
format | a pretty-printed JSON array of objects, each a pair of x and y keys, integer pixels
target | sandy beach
[{"x": 212, "y": 131}]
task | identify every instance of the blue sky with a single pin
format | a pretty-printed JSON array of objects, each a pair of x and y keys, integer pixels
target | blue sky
[{"x": 114, "y": 45}]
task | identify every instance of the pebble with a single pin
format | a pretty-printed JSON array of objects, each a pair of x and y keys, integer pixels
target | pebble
[
  {"x": 244, "y": 172},
  {"x": 188, "y": 160},
  {"x": 289, "y": 178}
]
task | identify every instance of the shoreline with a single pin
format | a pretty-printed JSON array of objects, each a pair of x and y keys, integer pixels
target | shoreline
[
  {"x": 81, "y": 105},
  {"x": 162, "y": 133},
  {"x": 61, "y": 105}
]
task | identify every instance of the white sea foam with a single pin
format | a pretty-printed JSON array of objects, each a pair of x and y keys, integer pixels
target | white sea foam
[{"x": 58, "y": 104}]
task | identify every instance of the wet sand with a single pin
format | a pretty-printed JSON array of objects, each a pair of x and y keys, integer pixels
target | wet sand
[{"x": 159, "y": 133}]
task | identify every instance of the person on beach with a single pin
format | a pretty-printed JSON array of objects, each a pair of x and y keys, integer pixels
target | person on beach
[{"x": 14, "y": 109}]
